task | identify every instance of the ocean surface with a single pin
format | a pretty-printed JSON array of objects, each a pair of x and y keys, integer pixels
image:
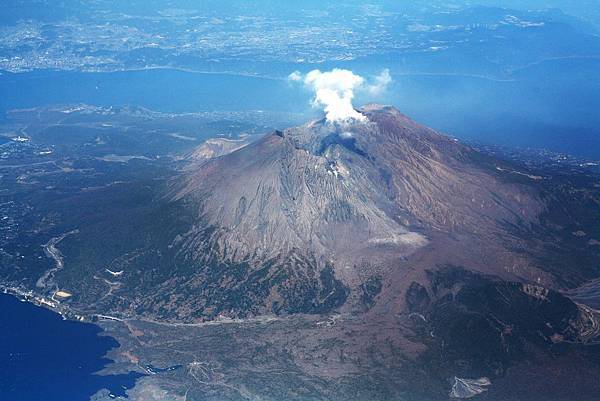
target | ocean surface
[
  {"x": 558, "y": 112},
  {"x": 45, "y": 358},
  {"x": 168, "y": 90}
]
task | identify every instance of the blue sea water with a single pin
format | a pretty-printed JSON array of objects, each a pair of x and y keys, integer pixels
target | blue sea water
[
  {"x": 166, "y": 90},
  {"x": 551, "y": 105},
  {"x": 46, "y": 358}
]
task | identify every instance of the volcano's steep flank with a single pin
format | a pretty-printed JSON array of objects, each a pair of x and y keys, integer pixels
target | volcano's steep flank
[{"x": 358, "y": 201}]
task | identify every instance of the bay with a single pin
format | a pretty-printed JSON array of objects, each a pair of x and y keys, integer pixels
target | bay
[{"x": 44, "y": 357}]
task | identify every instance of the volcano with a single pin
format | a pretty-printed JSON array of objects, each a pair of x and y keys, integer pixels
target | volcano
[{"x": 355, "y": 200}]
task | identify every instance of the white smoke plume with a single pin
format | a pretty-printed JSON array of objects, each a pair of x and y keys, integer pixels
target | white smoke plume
[
  {"x": 380, "y": 83},
  {"x": 334, "y": 91}
]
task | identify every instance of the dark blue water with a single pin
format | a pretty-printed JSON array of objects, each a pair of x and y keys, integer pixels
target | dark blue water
[{"x": 45, "y": 358}]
